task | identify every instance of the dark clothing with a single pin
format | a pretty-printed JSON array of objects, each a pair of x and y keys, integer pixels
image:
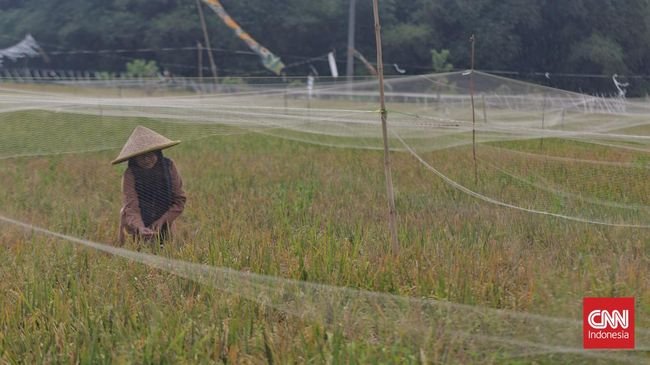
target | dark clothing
[
  {"x": 149, "y": 195},
  {"x": 154, "y": 190}
]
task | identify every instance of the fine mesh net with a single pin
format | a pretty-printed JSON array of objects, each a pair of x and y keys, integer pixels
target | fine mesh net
[
  {"x": 467, "y": 148},
  {"x": 530, "y": 147}
]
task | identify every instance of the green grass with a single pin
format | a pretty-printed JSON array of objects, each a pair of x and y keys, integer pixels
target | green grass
[{"x": 284, "y": 208}]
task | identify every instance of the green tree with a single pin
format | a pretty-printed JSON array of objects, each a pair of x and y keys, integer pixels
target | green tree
[
  {"x": 439, "y": 61},
  {"x": 578, "y": 36},
  {"x": 141, "y": 68},
  {"x": 598, "y": 54}
]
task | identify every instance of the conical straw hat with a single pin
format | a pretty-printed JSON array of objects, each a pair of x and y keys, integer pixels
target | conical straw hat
[{"x": 141, "y": 141}]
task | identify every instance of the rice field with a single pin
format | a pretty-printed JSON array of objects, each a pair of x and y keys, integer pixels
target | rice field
[{"x": 283, "y": 208}]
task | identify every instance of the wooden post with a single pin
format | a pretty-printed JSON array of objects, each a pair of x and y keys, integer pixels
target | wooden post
[
  {"x": 206, "y": 39},
  {"x": 392, "y": 212},
  {"x": 200, "y": 60},
  {"x": 484, "y": 109},
  {"x": 472, "y": 39},
  {"x": 286, "y": 96},
  {"x": 350, "y": 55},
  {"x": 541, "y": 140}
]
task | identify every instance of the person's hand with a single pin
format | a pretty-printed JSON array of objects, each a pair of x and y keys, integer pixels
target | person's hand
[
  {"x": 157, "y": 225},
  {"x": 147, "y": 233}
]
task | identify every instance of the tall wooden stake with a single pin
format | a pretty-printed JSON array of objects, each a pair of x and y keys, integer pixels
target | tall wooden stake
[
  {"x": 392, "y": 212},
  {"x": 471, "y": 95},
  {"x": 484, "y": 109},
  {"x": 350, "y": 56},
  {"x": 286, "y": 98},
  {"x": 199, "y": 55},
  {"x": 206, "y": 38},
  {"x": 541, "y": 140}
]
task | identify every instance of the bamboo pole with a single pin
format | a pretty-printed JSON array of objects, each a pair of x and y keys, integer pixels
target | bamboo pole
[
  {"x": 472, "y": 39},
  {"x": 200, "y": 61},
  {"x": 485, "y": 120},
  {"x": 206, "y": 38},
  {"x": 541, "y": 140},
  {"x": 350, "y": 56},
  {"x": 392, "y": 212}
]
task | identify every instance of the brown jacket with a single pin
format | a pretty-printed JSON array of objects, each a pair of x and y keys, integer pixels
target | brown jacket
[{"x": 130, "y": 218}]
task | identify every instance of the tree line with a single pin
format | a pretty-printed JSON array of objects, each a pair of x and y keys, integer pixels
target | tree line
[{"x": 579, "y": 43}]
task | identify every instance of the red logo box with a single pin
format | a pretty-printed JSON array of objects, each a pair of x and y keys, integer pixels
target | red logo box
[{"x": 608, "y": 323}]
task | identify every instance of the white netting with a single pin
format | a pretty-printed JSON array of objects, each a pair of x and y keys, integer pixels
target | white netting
[
  {"x": 534, "y": 150},
  {"x": 588, "y": 153}
]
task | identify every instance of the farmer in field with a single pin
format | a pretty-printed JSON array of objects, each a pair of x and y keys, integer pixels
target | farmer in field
[{"x": 152, "y": 189}]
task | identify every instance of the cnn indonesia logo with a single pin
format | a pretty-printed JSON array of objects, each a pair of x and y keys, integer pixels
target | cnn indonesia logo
[{"x": 608, "y": 323}]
